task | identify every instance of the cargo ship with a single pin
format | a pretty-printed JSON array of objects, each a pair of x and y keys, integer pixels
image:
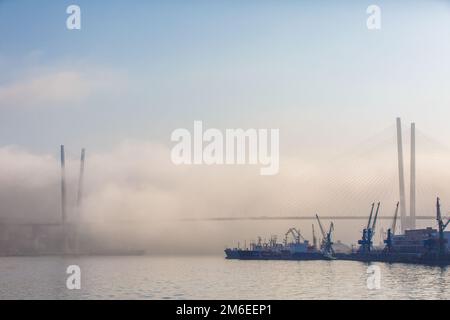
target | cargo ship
[
  {"x": 420, "y": 246},
  {"x": 294, "y": 247},
  {"x": 275, "y": 251}
]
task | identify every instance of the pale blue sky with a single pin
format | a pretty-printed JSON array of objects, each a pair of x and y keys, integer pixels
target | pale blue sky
[{"x": 310, "y": 68}]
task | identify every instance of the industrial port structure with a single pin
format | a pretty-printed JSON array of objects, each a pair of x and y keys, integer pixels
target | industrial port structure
[
  {"x": 428, "y": 245},
  {"x": 68, "y": 236},
  {"x": 421, "y": 246}
]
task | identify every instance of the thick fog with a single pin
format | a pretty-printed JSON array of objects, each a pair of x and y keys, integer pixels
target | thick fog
[{"x": 134, "y": 192}]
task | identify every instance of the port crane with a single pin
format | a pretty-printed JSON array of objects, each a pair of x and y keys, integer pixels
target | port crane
[
  {"x": 438, "y": 245},
  {"x": 366, "y": 241},
  {"x": 327, "y": 244},
  {"x": 391, "y": 231},
  {"x": 442, "y": 226}
]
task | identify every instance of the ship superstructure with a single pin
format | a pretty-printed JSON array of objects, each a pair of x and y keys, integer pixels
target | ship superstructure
[{"x": 293, "y": 247}]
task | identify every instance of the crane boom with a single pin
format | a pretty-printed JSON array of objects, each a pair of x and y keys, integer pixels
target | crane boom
[
  {"x": 324, "y": 235},
  {"x": 441, "y": 228},
  {"x": 329, "y": 243},
  {"x": 438, "y": 210},
  {"x": 375, "y": 219},
  {"x": 446, "y": 224},
  {"x": 394, "y": 223},
  {"x": 370, "y": 216}
]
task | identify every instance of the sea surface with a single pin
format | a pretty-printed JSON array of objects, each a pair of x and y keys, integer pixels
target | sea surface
[{"x": 213, "y": 277}]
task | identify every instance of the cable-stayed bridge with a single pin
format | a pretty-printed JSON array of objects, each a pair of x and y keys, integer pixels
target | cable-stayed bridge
[{"x": 386, "y": 167}]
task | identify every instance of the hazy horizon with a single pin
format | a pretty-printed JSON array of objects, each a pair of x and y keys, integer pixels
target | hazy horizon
[{"x": 133, "y": 74}]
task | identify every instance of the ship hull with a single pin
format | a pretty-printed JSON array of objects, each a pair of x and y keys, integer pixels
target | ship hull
[
  {"x": 268, "y": 255},
  {"x": 235, "y": 254},
  {"x": 397, "y": 258}
]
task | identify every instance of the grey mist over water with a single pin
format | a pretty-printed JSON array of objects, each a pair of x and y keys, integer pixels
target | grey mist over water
[{"x": 213, "y": 277}]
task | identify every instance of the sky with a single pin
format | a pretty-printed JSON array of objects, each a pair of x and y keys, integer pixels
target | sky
[{"x": 138, "y": 70}]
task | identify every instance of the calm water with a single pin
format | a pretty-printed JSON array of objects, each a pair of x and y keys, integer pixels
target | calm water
[{"x": 215, "y": 278}]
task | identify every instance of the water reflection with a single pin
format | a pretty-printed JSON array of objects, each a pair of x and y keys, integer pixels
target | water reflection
[{"x": 215, "y": 278}]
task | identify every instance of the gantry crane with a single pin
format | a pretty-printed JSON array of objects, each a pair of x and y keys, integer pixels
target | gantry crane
[
  {"x": 366, "y": 241},
  {"x": 391, "y": 232},
  {"x": 438, "y": 245},
  {"x": 327, "y": 244},
  {"x": 442, "y": 226}
]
